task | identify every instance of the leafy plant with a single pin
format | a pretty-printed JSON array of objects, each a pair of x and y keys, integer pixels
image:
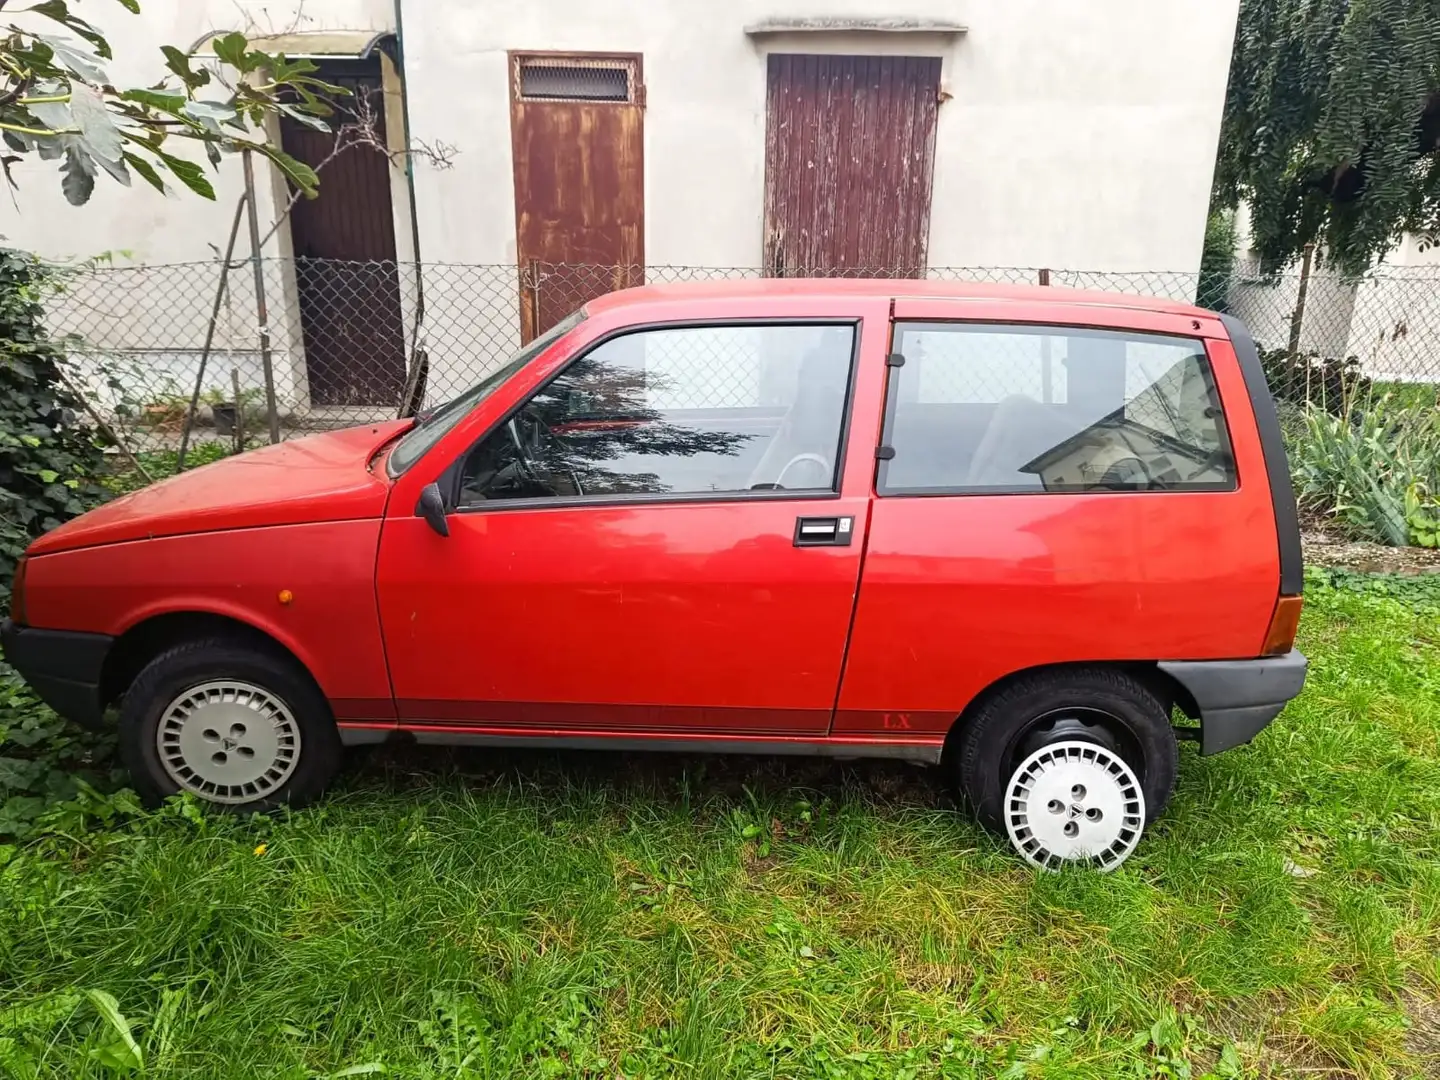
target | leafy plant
[
  {"x": 1332, "y": 127},
  {"x": 1217, "y": 261},
  {"x": 1371, "y": 469},
  {"x": 50, "y": 456},
  {"x": 58, "y": 103},
  {"x": 1422, "y": 516}
]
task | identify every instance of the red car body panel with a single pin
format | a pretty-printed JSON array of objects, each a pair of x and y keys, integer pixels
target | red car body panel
[
  {"x": 329, "y": 568},
  {"x": 319, "y": 478},
  {"x": 699, "y": 618},
  {"x": 683, "y": 616},
  {"x": 961, "y": 591}
]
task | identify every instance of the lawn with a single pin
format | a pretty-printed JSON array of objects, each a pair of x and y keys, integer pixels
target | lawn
[{"x": 484, "y": 914}]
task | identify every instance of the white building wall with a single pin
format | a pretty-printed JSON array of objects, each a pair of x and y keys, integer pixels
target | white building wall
[{"x": 1076, "y": 136}]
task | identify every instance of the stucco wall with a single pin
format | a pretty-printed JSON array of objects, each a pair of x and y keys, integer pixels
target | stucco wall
[{"x": 1077, "y": 135}]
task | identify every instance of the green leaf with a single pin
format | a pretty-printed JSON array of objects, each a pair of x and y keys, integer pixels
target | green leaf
[
  {"x": 300, "y": 174},
  {"x": 48, "y": 476},
  {"x": 179, "y": 63},
  {"x": 187, "y": 172},
  {"x": 231, "y": 49},
  {"x": 80, "y": 62},
  {"x": 157, "y": 99},
  {"x": 146, "y": 170},
  {"x": 109, "y": 1010},
  {"x": 301, "y": 116},
  {"x": 102, "y": 138},
  {"x": 77, "y": 175},
  {"x": 209, "y": 113}
]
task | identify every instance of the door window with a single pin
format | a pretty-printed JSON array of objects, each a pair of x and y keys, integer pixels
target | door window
[
  {"x": 1052, "y": 409},
  {"x": 682, "y": 411}
]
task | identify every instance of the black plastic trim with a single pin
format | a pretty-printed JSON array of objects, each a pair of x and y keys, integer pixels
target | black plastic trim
[
  {"x": 61, "y": 666},
  {"x": 1277, "y": 463},
  {"x": 450, "y": 479},
  {"x": 928, "y": 754},
  {"x": 1237, "y": 698}
]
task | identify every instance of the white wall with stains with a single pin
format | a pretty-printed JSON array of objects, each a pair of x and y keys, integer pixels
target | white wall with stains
[{"x": 1075, "y": 135}]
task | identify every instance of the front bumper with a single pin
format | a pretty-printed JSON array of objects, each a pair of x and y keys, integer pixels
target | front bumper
[
  {"x": 1237, "y": 698},
  {"x": 62, "y": 667}
]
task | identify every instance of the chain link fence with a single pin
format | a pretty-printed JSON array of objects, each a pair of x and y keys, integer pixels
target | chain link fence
[{"x": 167, "y": 354}]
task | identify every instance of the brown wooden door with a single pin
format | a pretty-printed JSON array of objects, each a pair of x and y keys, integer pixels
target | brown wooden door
[
  {"x": 344, "y": 242},
  {"x": 849, "y": 153},
  {"x": 577, "y": 130}
]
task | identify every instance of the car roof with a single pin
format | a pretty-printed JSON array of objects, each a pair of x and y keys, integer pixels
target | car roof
[{"x": 896, "y": 288}]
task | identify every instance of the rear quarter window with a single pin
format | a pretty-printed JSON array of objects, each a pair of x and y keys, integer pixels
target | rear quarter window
[{"x": 1036, "y": 409}]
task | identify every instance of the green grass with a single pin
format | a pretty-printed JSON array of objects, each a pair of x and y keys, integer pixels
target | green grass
[{"x": 494, "y": 915}]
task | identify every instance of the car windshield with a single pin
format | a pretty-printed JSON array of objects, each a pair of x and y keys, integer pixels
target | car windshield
[{"x": 435, "y": 424}]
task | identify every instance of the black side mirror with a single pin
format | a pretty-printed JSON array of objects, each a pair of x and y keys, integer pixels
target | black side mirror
[{"x": 431, "y": 507}]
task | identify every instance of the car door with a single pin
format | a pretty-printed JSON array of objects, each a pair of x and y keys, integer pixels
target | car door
[
  {"x": 661, "y": 537},
  {"x": 1049, "y": 474}
]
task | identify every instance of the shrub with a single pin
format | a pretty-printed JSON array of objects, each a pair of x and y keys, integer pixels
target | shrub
[
  {"x": 1375, "y": 469},
  {"x": 49, "y": 454},
  {"x": 1309, "y": 378}
]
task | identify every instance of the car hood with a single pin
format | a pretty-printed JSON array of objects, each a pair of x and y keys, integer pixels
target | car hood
[{"x": 319, "y": 478}]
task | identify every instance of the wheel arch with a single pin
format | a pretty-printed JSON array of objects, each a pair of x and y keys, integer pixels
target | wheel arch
[
  {"x": 1163, "y": 685},
  {"x": 150, "y": 636}
]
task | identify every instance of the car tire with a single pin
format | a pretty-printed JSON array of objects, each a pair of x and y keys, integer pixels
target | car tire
[
  {"x": 243, "y": 728},
  {"x": 1051, "y": 720}
]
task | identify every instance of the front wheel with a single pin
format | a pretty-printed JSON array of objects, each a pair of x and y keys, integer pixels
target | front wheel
[
  {"x": 238, "y": 727},
  {"x": 1070, "y": 764}
]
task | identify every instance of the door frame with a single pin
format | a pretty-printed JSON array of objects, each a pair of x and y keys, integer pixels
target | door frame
[{"x": 515, "y": 59}]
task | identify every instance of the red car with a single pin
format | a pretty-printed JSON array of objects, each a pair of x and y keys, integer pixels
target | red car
[{"x": 1004, "y": 530}]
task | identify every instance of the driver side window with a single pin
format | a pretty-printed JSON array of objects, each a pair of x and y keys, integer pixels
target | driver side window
[{"x": 677, "y": 411}]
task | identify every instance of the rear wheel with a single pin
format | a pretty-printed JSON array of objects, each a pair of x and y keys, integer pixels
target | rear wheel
[
  {"x": 236, "y": 726},
  {"x": 1071, "y": 765}
]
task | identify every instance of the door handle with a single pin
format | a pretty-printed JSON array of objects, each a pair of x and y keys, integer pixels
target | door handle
[{"x": 824, "y": 531}]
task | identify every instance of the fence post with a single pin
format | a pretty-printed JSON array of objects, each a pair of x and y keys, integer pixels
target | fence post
[
  {"x": 1297, "y": 320},
  {"x": 262, "y": 314},
  {"x": 210, "y": 336},
  {"x": 1047, "y": 362}
]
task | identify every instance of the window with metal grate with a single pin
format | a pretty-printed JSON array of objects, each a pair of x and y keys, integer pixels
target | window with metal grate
[{"x": 550, "y": 81}]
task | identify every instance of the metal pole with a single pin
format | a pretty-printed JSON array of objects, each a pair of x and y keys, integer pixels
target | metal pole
[
  {"x": 262, "y": 313},
  {"x": 1047, "y": 363},
  {"x": 239, "y": 412},
  {"x": 1297, "y": 320},
  {"x": 210, "y": 335}
]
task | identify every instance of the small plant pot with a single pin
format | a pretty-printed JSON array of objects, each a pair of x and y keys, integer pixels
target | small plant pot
[{"x": 224, "y": 414}]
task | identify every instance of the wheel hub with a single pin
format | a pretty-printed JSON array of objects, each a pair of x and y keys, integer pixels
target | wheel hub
[
  {"x": 228, "y": 741},
  {"x": 1074, "y": 801}
]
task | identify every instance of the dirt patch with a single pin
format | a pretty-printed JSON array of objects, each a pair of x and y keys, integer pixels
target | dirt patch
[
  {"x": 1423, "y": 1038},
  {"x": 1335, "y": 552}
]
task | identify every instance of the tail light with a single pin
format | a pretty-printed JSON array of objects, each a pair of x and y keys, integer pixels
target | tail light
[
  {"x": 17, "y": 593},
  {"x": 1280, "y": 638}
]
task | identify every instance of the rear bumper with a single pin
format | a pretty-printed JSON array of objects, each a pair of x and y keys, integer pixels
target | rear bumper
[
  {"x": 1237, "y": 698},
  {"x": 63, "y": 668}
]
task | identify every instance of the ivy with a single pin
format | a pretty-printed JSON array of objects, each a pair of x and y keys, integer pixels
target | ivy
[
  {"x": 50, "y": 456},
  {"x": 1332, "y": 127}
]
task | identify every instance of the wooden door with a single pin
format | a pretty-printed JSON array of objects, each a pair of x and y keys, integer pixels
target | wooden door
[
  {"x": 576, "y": 124},
  {"x": 344, "y": 242},
  {"x": 849, "y": 153}
]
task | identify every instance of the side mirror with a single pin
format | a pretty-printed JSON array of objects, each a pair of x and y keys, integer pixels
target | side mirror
[{"x": 431, "y": 507}]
